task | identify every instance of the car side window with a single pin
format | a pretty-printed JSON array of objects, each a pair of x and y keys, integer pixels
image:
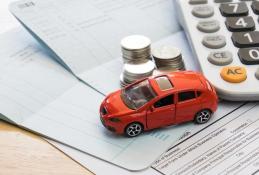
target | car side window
[
  {"x": 168, "y": 100},
  {"x": 184, "y": 96}
]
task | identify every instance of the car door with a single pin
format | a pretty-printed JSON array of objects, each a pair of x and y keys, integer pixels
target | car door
[
  {"x": 162, "y": 112},
  {"x": 187, "y": 106}
]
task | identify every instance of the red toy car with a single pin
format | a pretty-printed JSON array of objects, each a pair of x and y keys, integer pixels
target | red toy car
[{"x": 159, "y": 101}]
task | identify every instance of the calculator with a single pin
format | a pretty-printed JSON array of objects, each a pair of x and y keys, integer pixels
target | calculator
[{"x": 224, "y": 37}]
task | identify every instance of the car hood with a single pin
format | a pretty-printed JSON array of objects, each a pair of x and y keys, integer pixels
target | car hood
[{"x": 115, "y": 105}]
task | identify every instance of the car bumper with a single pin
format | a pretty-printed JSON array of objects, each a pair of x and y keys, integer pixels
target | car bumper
[{"x": 112, "y": 126}]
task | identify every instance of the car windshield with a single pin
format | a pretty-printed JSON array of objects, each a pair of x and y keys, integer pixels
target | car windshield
[{"x": 138, "y": 95}]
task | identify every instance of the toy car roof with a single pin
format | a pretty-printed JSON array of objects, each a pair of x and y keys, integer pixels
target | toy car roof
[{"x": 180, "y": 81}]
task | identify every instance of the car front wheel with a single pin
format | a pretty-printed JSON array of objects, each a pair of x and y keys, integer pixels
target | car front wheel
[
  {"x": 133, "y": 130},
  {"x": 203, "y": 116}
]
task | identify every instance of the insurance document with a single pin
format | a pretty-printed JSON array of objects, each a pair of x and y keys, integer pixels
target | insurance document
[
  {"x": 228, "y": 146},
  {"x": 83, "y": 34}
]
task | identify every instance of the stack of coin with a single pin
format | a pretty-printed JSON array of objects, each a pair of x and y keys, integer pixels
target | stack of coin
[
  {"x": 136, "y": 49},
  {"x": 168, "y": 58},
  {"x": 133, "y": 72}
]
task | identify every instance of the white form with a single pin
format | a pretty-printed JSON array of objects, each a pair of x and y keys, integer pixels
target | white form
[
  {"x": 7, "y": 20},
  {"x": 94, "y": 164},
  {"x": 86, "y": 33},
  {"x": 228, "y": 146},
  {"x": 40, "y": 95}
]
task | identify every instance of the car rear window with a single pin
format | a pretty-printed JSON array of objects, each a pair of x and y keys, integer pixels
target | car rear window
[{"x": 164, "y": 83}]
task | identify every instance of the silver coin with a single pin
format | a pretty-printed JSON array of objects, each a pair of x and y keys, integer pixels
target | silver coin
[
  {"x": 168, "y": 58},
  {"x": 135, "y": 42},
  {"x": 136, "y": 49},
  {"x": 139, "y": 69},
  {"x": 133, "y": 72},
  {"x": 166, "y": 52}
]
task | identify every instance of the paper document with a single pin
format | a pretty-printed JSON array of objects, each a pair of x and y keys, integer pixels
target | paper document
[
  {"x": 40, "y": 95},
  {"x": 7, "y": 21},
  {"x": 83, "y": 34},
  {"x": 229, "y": 146},
  {"x": 94, "y": 164}
]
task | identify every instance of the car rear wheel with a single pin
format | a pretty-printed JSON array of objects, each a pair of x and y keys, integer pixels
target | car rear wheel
[
  {"x": 203, "y": 116},
  {"x": 133, "y": 129}
]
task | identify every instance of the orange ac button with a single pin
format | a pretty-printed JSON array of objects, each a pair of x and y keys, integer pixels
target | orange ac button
[{"x": 233, "y": 74}]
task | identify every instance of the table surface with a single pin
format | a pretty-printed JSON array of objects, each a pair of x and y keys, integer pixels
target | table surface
[{"x": 24, "y": 153}]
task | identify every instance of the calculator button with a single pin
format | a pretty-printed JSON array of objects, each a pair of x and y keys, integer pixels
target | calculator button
[
  {"x": 208, "y": 26},
  {"x": 234, "y": 9},
  {"x": 214, "y": 41},
  {"x": 198, "y": 2},
  {"x": 221, "y": 1},
  {"x": 235, "y": 74},
  {"x": 220, "y": 58},
  {"x": 249, "y": 56},
  {"x": 204, "y": 11},
  {"x": 257, "y": 74},
  {"x": 238, "y": 24},
  {"x": 246, "y": 39},
  {"x": 255, "y": 7}
]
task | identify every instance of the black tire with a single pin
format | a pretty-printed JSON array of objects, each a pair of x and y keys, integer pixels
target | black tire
[
  {"x": 202, "y": 116},
  {"x": 133, "y": 129}
]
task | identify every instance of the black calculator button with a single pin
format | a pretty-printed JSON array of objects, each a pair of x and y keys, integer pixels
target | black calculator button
[
  {"x": 198, "y": 2},
  {"x": 239, "y": 24},
  {"x": 255, "y": 7},
  {"x": 234, "y": 9},
  {"x": 249, "y": 56},
  {"x": 221, "y": 1},
  {"x": 246, "y": 39}
]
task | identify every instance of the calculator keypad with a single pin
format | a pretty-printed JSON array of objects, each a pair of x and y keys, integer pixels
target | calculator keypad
[
  {"x": 239, "y": 24},
  {"x": 243, "y": 37},
  {"x": 234, "y": 9},
  {"x": 226, "y": 43}
]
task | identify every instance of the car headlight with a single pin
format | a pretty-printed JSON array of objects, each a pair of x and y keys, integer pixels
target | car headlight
[
  {"x": 104, "y": 111},
  {"x": 112, "y": 119}
]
